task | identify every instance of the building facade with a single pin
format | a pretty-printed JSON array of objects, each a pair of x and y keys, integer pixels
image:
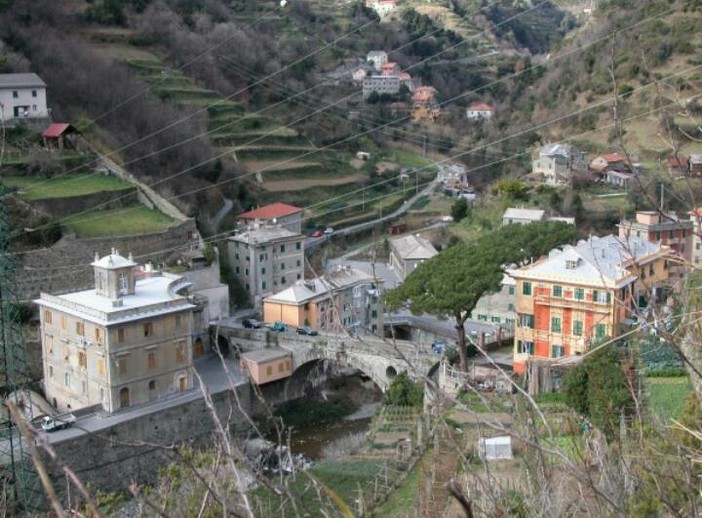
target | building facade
[
  {"x": 23, "y": 96},
  {"x": 127, "y": 341},
  {"x": 498, "y": 308},
  {"x": 266, "y": 259},
  {"x": 378, "y": 58},
  {"x": 667, "y": 229},
  {"x": 556, "y": 163},
  {"x": 381, "y": 85},
  {"x": 582, "y": 294},
  {"x": 344, "y": 299},
  {"x": 479, "y": 112}
]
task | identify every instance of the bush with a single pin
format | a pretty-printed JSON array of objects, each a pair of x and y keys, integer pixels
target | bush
[{"x": 404, "y": 392}]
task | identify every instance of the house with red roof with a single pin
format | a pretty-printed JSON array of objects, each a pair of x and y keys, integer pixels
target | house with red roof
[
  {"x": 479, "y": 112},
  {"x": 610, "y": 162},
  {"x": 59, "y": 136},
  {"x": 282, "y": 214},
  {"x": 390, "y": 69},
  {"x": 677, "y": 165}
]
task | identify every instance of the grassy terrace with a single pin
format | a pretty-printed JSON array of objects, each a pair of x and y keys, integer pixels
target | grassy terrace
[
  {"x": 667, "y": 397},
  {"x": 32, "y": 188},
  {"x": 135, "y": 219}
]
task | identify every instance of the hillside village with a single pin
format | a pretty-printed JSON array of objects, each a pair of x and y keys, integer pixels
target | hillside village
[{"x": 397, "y": 208}]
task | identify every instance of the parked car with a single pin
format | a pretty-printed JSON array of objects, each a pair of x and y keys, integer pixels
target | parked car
[
  {"x": 307, "y": 330},
  {"x": 57, "y": 422},
  {"x": 440, "y": 347},
  {"x": 251, "y": 323},
  {"x": 317, "y": 233},
  {"x": 277, "y": 326},
  {"x": 328, "y": 231}
]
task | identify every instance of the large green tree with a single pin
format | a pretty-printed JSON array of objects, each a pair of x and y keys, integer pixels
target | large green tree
[{"x": 451, "y": 283}]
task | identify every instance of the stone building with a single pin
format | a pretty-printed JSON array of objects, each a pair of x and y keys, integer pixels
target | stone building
[
  {"x": 408, "y": 252},
  {"x": 266, "y": 259},
  {"x": 127, "y": 341}
]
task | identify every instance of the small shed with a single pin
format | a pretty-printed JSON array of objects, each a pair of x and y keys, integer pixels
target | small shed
[
  {"x": 59, "y": 136},
  {"x": 495, "y": 448},
  {"x": 266, "y": 365}
]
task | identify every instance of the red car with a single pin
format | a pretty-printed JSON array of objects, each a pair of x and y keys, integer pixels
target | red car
[{"x": 317, "y": 233}]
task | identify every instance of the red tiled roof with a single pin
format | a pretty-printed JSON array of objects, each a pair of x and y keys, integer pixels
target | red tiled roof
[
  {"x": 677, "y": 161},
  {"x": 55, "y": 129},
  {"x": 480, "y": 107},
  {"x": 613, "y": 157},
  {"x": 389, "y": 64},
  {"x": 274, "y": 210}
]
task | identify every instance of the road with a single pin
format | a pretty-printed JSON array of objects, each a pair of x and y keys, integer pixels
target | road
[
  {"x": 313, "y": 242},
  {"x": 217, "y": 219}
]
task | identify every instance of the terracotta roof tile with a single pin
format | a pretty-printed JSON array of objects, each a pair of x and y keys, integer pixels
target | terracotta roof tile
[{"x": 274, "y": 210}]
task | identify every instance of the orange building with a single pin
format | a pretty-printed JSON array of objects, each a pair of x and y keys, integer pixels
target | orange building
[
  {"x": 581, "y": 294},
  {"x": 266, "y": 365},
  {"x": 345, "y": 298}
]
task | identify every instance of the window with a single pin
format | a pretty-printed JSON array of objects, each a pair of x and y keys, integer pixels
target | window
[
  {"x": 602, "y": 297},
  {"x": 237, "y": 269},
  {"x": 121, "y": 334},
  {"x": 180, "y": 353},
  {"x": 67, "y": 379},
  {"x": 260, "y": 257},
  {"x": 526, "y": 288},
  {"x": 557, "y": 351},
  {"x": 152, "y": 385},
  {"x": 83, "y": 386},
  {"x": 236, "y": 256},
  {"x": 600, "y": 330},
  {"x": 49, "y": 341},
  {"x": 63, "y": 322},
  {"x": 281, "y": 367},
  {"x": 557, "y": 291},
  {"x": 578, "y": 327},
  {"x": 15, "y": 94},
  {"x": 671, "y": 234},
  {"x": 263, "y": 271},
  {"x": 298, "y": 245},
  {"x": 282, "y": 266},
  {"x": 263, "y": 285},
  {"x": 555, "y": 324},
  {"x": 299, "y": 276},
  {"x": 123, "y": 284},
  {"x": 51, "y": 371},
  {"x": 97, "y": 334},
  {"x": 148, "y": 329},
  {"x": 66, "y": 353},
  {"x": 80, "y": 328},
  {"x": 524, "y": 347},
  {"x": 526, "y": 321},
  {"x": 297, "y": 263},
  {"x": 658, "y": 236},
  {"x": 579, "y": 294},
  {"x": 269, "y": 370},
  {"x": 495, "y": 319},
  {"x": 34, "y": 107},
  {"x": 684, "y": 232},
  {"x": 282, "y": 248},
  {"x": 282, "y": 280},
  {"x": 510, "y": 290},
  {"x": 34, "y": 93},
  {"x": 571, "y": 264},
  {"x": 100, "y": 364},
  {"x": 48, "y": 317},
  {"x": 151, "y": 360},
  {"x": 510, "y": 307},
  {"x": 82, "y": 360},
  {"x": 374, "y": 313}
]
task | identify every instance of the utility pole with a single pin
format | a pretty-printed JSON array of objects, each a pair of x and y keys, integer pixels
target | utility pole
[{"x": 424, "y": 146}]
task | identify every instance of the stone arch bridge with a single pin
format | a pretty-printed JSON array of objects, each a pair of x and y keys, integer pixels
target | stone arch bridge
[{"x": 379, "y": 359}]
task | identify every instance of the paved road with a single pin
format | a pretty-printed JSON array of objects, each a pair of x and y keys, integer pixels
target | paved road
[
  {"x": 313, "y": 242},
  {"x": 217, "y": 219}
]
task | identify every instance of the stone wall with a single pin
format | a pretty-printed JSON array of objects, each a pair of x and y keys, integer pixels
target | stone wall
[
  {"x": 106, "y": 200},
  {"x": 65, "y": 266},
  {"x": 129, "y": 451}
]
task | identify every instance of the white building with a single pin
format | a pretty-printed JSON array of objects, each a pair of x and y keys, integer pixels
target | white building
[
  {"x": 22, "y": 96},
  {"x": 266, "y": 259},
  {"x": 381, "y": 85},
  {"x": 378, "y": 58},
  {"x": 514, "y": 216},
  {"x": 479, "y": 112},
  {"x": 127, "y": 341},
  {"x": 556, "y": 163}
]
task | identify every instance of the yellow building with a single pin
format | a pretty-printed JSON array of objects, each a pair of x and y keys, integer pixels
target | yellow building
[
  {"x": 343, "y": 299},
  {"x": 127, "y": 341},
  {"x": 266, "y": 365},
  {"x": 581, "y": 294}
]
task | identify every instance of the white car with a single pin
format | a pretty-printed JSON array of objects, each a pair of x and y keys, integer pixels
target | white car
[{"x": 328, "y": 231}]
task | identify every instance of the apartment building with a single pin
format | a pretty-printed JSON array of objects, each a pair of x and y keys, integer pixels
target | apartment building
[
  {"x": 266, "y": 259},
  {"x": 127, "y": 341},
  {"x": 287, "y": 216},
  {"x": 581, "y": 294},
  {"x": 22, "y": 96},
  {"x": 381, "y": 85},
  {"x": 667, "y": 229},
  {"x": 345, "y": 299}
]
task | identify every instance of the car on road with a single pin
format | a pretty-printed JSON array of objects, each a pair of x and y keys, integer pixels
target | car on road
[
  {"x": 251, "y": 323},
  {"x": 440, "y": 347},
  {"x": 51, "y": 423},
  {"x": 328, "y": 231},
  {"x": 276, "y": 326},
  {"x": 306, "y": 330},
  {"x": 317, "y": 233}
]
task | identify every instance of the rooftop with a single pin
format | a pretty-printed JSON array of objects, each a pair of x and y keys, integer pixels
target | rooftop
[
  {"x": 20, "y": 80},
  {"x": 153, "y": 296},
  {"x": 524, "y": 214},
  {"x": 303, "y": 291},
  {"x": 597, "y": 261},
  {"x": 113, "y": 260},
  {"x": 413, "y": 248},
  {"x": 555, "y": 149},
  {"x": 480, "y": 107},
  {"x": 56, "y": 129},
  {"x": 265, "y": 234},
  {"x": 274, "y": 210}
]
